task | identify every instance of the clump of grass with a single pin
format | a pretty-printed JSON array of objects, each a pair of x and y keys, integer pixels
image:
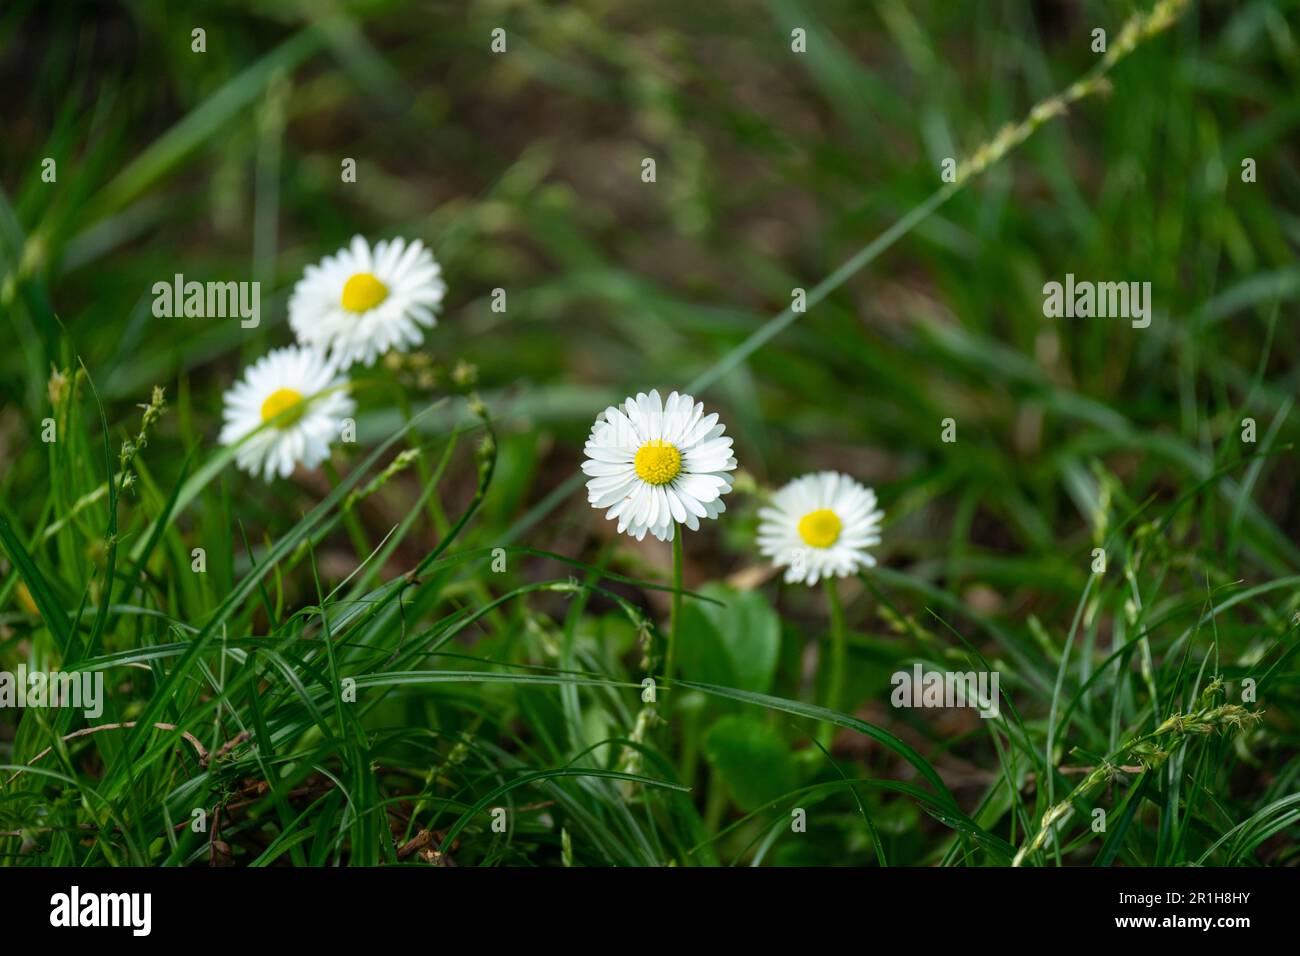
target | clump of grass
[{"x": 1151, "y": 750}]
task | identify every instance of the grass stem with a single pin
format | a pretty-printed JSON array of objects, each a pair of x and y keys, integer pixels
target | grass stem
[{"x": 675, "y": 614}]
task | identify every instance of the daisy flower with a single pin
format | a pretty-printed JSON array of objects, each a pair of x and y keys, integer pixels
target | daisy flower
[
  {"x": 657, "y": 464},
  {"x": 277, "y": 392},
  {"x": 820, "y": 525},
  {"x": 360, "y": 302}
]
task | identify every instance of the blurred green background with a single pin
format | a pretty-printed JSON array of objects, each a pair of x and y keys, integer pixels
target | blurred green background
[{"x": 522, "y": 171}]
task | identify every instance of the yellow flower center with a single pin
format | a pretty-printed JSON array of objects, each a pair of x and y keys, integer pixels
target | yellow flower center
[
  {"x": 658, "y": 462},
  {"x": 363, "y": 292},
  {"x": 282, "y": 400},
  {"x": 820, "y": 528}
]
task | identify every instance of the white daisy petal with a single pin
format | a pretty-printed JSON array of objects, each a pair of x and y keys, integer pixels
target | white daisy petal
[
  {"x": 360, "y": 303},
  {"x": 284, "y": 412},
  {"x": 656, "y": 463},
  {"x": 819, "y": 526}
]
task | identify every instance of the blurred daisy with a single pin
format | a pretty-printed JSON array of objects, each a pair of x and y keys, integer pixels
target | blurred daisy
[
  {"x": 820, "y": 525},
  {"x": 277, "y": 392},
  {"x": 360, "y": 302},
  {"x": 658, "y": 464}
]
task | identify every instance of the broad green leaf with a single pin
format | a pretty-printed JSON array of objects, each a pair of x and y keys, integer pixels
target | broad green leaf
[
  {"x": 734, "y": 642},
  {"x": 749, "y": 754}
]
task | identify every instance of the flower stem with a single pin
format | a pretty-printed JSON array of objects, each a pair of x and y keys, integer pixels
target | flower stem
[
  {"x": 675, "y": 615},
  {"x": 838, "y": 651}
]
